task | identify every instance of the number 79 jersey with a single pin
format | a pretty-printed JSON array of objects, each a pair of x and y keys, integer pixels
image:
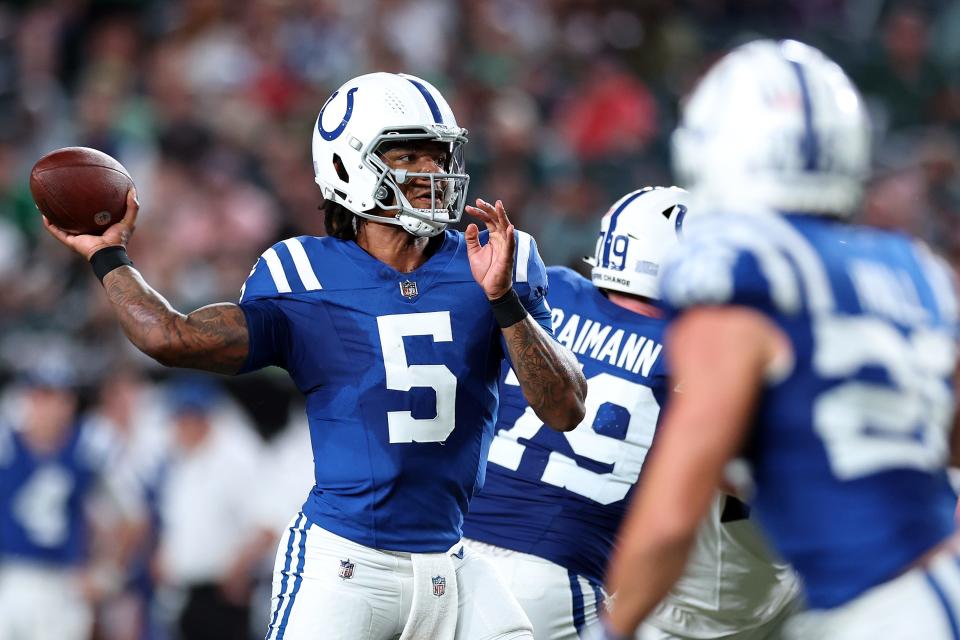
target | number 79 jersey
[
  {"x": 849, "y": 446},
  {"x": 400, "y": 376},
  {"x": 562, "y": 496}
]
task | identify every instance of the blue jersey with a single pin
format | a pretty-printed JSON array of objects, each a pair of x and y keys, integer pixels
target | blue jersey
[
  {"x": 849, "y": 447},
  {"x": 400, "y": 375},
  {"x": 561, "y": 496},
  {"x": 43, "y": 496}
]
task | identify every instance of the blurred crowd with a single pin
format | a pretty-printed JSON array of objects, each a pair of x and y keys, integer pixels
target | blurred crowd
[{"x": 210, "y": 105}]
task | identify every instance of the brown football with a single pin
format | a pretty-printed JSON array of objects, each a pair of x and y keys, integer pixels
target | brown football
[{"x": 81, "y": 190}]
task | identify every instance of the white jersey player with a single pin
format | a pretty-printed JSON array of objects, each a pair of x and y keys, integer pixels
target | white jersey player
[{"x": 552, "y": 502}]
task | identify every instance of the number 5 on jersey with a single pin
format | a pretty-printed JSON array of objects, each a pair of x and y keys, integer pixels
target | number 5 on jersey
[{"x": 401, "y": 425}]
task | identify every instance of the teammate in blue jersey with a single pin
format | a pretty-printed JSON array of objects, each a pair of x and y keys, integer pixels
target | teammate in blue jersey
[
  {"x": 824, "y": 350},
  {"x": 52, "y": 467},
  {"x": 383, "y": 327},
  {"x": 552, "y": 503}
]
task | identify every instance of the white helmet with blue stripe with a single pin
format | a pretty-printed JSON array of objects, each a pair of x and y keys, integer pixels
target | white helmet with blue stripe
[
  {"x": 635, "y": 236},
  {"x": 378, "y": 108},
  {"x": 775, "y": 126}
]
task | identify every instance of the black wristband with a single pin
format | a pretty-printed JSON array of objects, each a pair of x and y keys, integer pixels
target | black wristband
[
  {"x": 508, "y": 310},
  {"x": 109, "y": 258}
]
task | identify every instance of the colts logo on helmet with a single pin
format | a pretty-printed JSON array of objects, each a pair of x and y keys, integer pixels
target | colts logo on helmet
[
  {"x": 681, "y": 214},
  {"x": 335, "y": 133}
]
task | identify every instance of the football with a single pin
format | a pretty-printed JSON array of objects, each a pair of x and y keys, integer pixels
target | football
[{"x": 80, "y": 190}]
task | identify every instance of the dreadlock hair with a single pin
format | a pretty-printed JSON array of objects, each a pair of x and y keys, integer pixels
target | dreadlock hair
[{"x": 339, "y": 221}]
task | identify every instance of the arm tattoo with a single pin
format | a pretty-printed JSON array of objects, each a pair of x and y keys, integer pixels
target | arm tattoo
[
  {"x": 549, "y": 375},
  {"x": 212, "y": 338}
]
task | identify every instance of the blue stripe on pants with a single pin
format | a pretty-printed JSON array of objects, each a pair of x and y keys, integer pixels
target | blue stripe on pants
[
  {"x": 947, "y": 609},
  {"x": 579, "y": 615},
  {"x": 286, "y": 573},
  {"x": 597, "y": 597},
  {"x": 301, "y": 557}
]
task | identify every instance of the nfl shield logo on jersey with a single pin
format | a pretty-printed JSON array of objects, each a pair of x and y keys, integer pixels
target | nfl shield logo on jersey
[
  {"x": 439, "y": 585},
  {"x": 408, "y": 288},
  {"x": 346, "y": 569}
]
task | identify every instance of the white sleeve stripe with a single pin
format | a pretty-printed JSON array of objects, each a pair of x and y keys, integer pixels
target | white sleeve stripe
[
  {"x": 812, "y": 270},
  {"x": 782, "y": 284},
  {"x": 276, "y": 270},
  {"x": 524, "y": 244},
  {"x": 302, "y": 263},
  {"x": 785, "y": 257}
]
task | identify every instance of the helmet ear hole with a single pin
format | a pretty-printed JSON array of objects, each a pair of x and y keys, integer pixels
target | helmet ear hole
[{"x": 340, "y": 169}]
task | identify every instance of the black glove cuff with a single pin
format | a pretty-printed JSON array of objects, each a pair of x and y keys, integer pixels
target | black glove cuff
[
  {"x": 508, "y": 310},
  {"x": 109, "y": 258}
]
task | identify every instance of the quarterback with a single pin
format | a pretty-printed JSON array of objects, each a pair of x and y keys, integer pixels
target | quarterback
[
  {"x": 394, "y": 328},
  {"x": 823, "y": 350},
  {"x": 548, "y": 514}
]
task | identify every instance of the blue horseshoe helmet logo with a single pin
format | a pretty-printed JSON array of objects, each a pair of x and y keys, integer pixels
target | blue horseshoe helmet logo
[
  {"x": 681, "y": 214},
  {"x": 335, "y": 133}
]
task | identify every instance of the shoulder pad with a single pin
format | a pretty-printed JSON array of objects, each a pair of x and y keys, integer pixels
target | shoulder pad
[
  {"x": 753, "y": 261},
  {"x": 565, "y": 276},
  {"x": 286, "y": 267}
]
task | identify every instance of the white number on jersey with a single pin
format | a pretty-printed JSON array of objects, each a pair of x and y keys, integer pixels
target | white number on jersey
[
  {"x": 626, "y": 455},
  {"x": 401, "y": 425},
  {"x": 41, "y": 506},
  {"x": 867, "y": 426}
]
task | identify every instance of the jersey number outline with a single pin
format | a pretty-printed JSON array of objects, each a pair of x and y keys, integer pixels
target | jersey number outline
[
  {"x": 871, "y": 426},
  {"x": 626, "y": 454},
  {"x": 402, "y": 427}
]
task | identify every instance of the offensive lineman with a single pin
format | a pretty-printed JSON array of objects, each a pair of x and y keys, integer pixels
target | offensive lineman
[
  {"x": 552, "y": 503},
  {"x": 382, "y": 327},
  {"x": 827, "y": 350}
]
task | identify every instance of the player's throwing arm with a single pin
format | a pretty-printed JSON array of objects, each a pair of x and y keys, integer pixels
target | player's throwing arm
[{"x": 213, "y": 338}]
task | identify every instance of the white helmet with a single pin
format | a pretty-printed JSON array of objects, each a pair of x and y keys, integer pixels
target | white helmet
[
  {"x": 777, "y": 125},
  {"x": 385, "y": 107},
  {"x": 635, "y": 236}
]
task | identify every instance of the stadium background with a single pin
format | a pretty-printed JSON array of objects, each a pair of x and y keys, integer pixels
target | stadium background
[{"x": 210, "y": 104}]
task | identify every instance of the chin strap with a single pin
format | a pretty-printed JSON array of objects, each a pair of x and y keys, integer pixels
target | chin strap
[{"x": 420, "y": 228}]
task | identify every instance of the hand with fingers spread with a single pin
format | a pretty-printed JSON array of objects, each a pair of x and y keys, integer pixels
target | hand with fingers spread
[
  {"x": 116, "y": 235},
  {"x": 492, "y": 263}
]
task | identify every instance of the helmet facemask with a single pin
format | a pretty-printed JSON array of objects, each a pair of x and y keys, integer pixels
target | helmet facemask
[{"x": 448, "y": 189}]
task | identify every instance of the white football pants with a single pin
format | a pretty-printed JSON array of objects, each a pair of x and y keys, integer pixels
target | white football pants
[
  {"x": 326, "y": 587},
  {"x": 42, "y": 603},
  {"x": 773, "y": 629},
  {"x": 560, "y": 604},
  {"x": 564, "y": 606},
  {"x": 922, "y": 603}
]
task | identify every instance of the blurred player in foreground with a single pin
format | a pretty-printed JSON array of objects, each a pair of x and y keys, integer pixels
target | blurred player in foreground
[
  {"x": 384, "y": 329},
  {"x": 824, "y": 350},
  {"x": 54, "y": 565},
  {"x": 550, "y": 509}
]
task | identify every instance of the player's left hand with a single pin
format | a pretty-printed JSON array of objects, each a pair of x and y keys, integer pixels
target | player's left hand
[{"x": 492, "y": 263}]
